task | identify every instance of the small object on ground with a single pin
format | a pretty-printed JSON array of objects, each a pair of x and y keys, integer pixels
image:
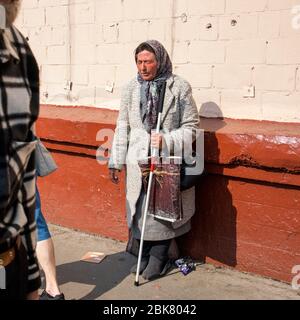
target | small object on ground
[
  {"x": 185, "y": 265},
  {"x": 93, "y": 257}
]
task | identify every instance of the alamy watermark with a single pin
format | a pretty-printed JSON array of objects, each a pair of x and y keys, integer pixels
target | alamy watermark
[
  {"x": 180, "y": 145},
  {"x": 296, "y": 279}
]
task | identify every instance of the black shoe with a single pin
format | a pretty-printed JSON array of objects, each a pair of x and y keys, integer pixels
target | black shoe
[
  {"x": 46, "y": 296},
  {"x": 155, "y": 268}
]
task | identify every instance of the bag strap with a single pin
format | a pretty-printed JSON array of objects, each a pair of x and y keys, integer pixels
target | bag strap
[
  {"x": 161, "y": 100},
  {"x": 162, "y": 96}
]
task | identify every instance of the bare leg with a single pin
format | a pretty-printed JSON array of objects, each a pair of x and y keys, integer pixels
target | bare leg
[{"x": 46, "y": 257}]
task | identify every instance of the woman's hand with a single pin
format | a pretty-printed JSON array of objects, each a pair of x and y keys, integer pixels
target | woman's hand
[
  {"x": 113, "y": 175},
  {"x": 156, "y": 140}
]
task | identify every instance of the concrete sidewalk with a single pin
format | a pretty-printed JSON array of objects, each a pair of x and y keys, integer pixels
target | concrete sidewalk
[{"x": 111, "y": 278}]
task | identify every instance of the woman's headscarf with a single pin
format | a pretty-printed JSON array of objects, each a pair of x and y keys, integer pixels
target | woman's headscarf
[{"x": 150, "y": 89}]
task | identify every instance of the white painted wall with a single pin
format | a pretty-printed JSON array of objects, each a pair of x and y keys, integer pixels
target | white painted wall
[{"x": 219, "y": 46}]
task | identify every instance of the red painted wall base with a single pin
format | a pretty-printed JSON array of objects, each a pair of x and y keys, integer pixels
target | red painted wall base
[{"x": 248, "y": 207}]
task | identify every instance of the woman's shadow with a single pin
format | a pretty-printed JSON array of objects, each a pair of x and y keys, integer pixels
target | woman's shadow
[
  {"x": 103, "y": 276},
  {"x": 213, "y": 235}
]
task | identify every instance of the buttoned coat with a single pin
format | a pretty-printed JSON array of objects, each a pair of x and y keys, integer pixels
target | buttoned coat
[{"x": 131, "y": 140}]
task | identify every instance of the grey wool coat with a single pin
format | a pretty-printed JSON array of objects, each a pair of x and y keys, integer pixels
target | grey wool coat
[{"x": 131, "y": 140}]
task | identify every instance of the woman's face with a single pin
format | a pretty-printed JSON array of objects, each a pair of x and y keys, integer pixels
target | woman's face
[{"x": 147, "y": 65}]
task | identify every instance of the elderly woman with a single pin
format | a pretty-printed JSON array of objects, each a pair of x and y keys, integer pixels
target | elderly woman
[{"x": 137, "y": 117}]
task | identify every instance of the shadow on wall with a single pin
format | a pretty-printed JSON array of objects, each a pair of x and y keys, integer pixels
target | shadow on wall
[{"x": 213, "y": 234}]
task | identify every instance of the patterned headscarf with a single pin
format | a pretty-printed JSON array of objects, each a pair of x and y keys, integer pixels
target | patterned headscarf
[{"x": 150, "y": 89}]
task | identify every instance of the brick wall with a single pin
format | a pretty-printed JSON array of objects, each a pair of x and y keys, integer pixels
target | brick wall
[{"x": 220, "y": 46}]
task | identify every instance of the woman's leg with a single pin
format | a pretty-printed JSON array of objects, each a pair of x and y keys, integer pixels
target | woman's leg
[
  {"x": 45, "y": 250},
  {"x": 46, "y": 257},
  {"x": 147, "y": 245},
  {"x": 158, "y": 259}
]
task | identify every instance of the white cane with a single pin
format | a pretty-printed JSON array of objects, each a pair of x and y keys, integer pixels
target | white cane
[{"x": 153, "y": 155}]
